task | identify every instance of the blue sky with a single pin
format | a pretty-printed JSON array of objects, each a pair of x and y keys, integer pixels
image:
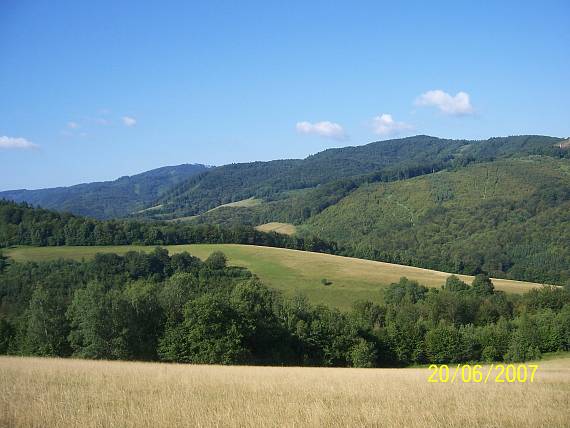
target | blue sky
[{"x": 96, "y": 90}]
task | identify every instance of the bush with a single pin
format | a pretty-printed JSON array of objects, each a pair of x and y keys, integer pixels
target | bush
[
  {"x": 363, "y": 354},
  {"x": 216, "y": 261},
  {"x": 453, "y": 283},
  {"x": 482, "y": 284},
  {"x": 443, "y": 343},
  {"x": 490, "y": 354}
]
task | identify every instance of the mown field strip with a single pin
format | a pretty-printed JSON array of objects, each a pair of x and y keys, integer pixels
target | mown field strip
[{"x": 284, "y": 228}]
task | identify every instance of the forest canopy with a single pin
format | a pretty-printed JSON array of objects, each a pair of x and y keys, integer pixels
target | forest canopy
[{"x": 157, "y": 307}]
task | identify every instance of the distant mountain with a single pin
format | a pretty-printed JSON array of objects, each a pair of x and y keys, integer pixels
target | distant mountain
[
  {"x": 500, "y": 206},
  {"x": 382, "y": 160},
  {"x": 109, "y": 199}
]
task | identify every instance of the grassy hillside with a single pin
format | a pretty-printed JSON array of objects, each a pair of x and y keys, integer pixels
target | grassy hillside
[
  {"x": 132, "y": 394},
  {"x": 509, "y": 218},
  {"x": 108, "y": 199},
  {"x": 290, "y": 271}
]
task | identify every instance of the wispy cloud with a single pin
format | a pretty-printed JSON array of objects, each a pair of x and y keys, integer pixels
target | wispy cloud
[
  {"x": 324, "y": 129},
  {"x": 72, "y": 125},
  {"x": 458, "y": 105},
  {"x": 385, "y": 125},
  {"x": 16, "y": 143},
  {"x": 129, "y": 121}
]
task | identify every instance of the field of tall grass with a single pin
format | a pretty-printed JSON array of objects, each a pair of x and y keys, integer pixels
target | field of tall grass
[{"x": 60, "y": 393}]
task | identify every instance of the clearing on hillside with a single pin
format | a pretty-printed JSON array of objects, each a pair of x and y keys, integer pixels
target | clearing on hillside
[
  {"x": 283, "y": 228},
  {"x": 290, "y": 271},
  {"x": 244, "y": 203},
  {"x": 250, "y": 202}
]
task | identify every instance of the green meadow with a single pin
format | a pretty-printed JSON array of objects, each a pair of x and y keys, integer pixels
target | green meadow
[{"x": 289, "y": 271}]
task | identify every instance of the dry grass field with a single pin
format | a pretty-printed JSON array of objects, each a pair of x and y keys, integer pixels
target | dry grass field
[
  {"x": 283, "y": 228},
  {"x": 291, "y": 271},
  {"x": 78, "y": 393}
]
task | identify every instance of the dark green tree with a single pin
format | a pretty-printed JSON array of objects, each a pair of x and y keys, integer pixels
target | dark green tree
[
  {"x": 494, "y": 339},
  {"x": 264, "y": 337},
  {"x": 363, "y": 354},
  {"x": 482, "y": 284},
  {"x": 216, "y": 261},
  {"x": 525, "y": 343},
  {"x": 7, "y": 334},
  {"x": 3, "y": 262},
  {"x": 98, "y": 318},
  {"x": 405, "y": 333},
  {"x": 145, "y": 319},
  {"x": 405, "y": 288},
  {"x": 211, "y": 333},
  {"x": 46, "y": 327},
  {"x": 453, "y": 283},
  {"x": 563, "y": 326},
  {"x": 443, "y": 343}
]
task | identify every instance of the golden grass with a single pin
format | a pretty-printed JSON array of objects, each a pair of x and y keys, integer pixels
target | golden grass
[
  {"x": 249, "y": 202},
  {"x": 56, "y": 393},
  {"x": 244, "y": 203},
  {"x": 283, "y": 228}
]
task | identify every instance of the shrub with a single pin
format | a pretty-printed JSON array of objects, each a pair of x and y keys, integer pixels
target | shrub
[
  {"x": 217, "y": 261},
  {"x": 363, "y": 354}
]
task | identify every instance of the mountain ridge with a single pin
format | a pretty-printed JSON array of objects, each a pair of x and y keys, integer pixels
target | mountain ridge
[
  {"x": 180, "y": 193},
  {"x": 107, "y": 199},
  {"x": 396, "y": 158}
]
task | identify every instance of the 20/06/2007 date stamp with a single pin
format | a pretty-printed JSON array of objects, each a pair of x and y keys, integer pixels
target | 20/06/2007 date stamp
[{"x": 498, "y": 373}]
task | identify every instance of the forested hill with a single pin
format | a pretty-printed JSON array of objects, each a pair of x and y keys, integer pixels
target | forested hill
[
  {"x": 108, "y": 199},
  {"x": 21, "y": 224},
  {"x": 508, "y": 218},
  {"x": 379, "y": 161}
]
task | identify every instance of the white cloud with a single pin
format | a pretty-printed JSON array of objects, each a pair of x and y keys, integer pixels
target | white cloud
[
  {"x": 72, "y": 125},
  {"x": 458, "y": 105},
  {"x": 16, "y": 143},
  {"x": 129, "y": 121},
  {"x": 385, "y": 125},
  {"x": 324, "y": 129}
]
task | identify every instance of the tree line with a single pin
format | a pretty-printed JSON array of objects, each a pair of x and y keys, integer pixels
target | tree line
[
  {"x": 160, "y": 307},
  {"x": 22, "y": 224}
]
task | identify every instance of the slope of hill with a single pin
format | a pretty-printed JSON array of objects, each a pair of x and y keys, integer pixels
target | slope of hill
[
  {"x": 340, "y": 169},
  {"x": 290, "y": 271},
  {"x": 510, "y": 218},
  {"x": 108, "y": 199}
]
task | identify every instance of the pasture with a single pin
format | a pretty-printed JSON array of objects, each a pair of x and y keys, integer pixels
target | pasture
[{"x": 289, "y": 271}]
